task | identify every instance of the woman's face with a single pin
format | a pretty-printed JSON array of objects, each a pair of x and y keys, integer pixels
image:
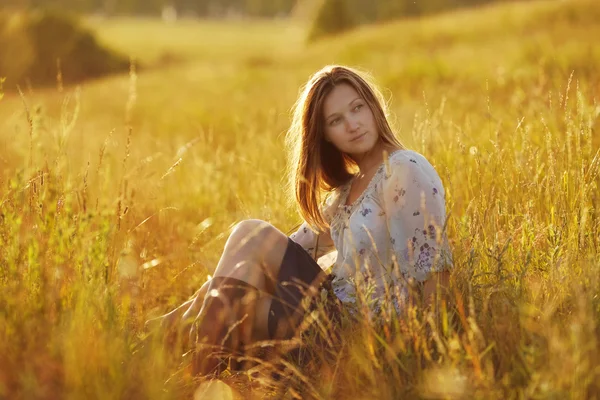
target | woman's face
[{"x": 349, "y": 122}]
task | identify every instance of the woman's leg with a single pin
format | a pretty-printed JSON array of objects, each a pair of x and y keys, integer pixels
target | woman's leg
[
  {"x": 169, "y": 320},
  {"x": 254, "y": 253},
  {"x": 193, "y": 306},
  {"x": 236, "y": 305},
  {"x": 254, "y": 249},
  {"x": 180, "y": 318}
]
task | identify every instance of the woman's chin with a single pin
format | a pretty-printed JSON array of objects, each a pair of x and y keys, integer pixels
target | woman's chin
[{"x": 361, "y": 148}]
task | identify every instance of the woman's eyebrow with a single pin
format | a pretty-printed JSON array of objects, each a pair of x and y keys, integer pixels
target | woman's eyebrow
[{"x": 336, "y": 113}]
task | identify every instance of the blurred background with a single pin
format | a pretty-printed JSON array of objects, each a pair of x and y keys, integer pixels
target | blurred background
[
  {"x": 135, "y": 133},
  {"x": 39, "y": 37}
]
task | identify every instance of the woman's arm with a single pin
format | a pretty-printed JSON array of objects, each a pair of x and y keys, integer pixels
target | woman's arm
[
  {"x": 316, "y": 244},
  {"x": 414, "y": 205}
]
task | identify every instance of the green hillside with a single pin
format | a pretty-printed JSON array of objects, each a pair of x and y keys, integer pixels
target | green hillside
[
  {"x": 116, "y": 198},
  {"x": 39, "y": 47}
]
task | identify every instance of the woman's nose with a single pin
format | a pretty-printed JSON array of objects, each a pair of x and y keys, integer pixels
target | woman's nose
[{"x": 352, "y": 124}]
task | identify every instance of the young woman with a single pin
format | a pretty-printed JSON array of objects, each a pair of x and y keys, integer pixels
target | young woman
[{"x": 360, "y": 192}]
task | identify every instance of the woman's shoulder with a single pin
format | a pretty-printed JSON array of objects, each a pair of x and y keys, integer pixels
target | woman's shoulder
[
  {"x": 405, "y": 156},
  {"x": 409, "y": 166},
  {"x": 408, "y": 160}
]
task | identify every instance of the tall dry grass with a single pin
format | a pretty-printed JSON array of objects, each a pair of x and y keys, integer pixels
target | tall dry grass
[{"x": 116, "y": 199}]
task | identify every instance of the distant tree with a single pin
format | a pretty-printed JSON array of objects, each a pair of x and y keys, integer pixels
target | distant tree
[
  {"x": 39, "y": 44},
  {"x": 335, "y": 16},
  {"x": 388, "y": 9}
]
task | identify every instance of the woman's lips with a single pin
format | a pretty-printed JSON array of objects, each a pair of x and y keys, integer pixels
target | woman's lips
[{"x": 358, "y": 137}]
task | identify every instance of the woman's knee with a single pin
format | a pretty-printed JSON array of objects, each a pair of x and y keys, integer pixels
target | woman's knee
[
  {"x": 258, "y": 242},
  {"x": 251, "y": 230},
  {"x": 255, "y": 236}
]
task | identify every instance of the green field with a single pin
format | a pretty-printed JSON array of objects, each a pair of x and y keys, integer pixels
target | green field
[{"x": 116, "y": 198}]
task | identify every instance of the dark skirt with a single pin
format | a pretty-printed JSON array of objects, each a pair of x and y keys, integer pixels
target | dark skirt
[{"x": 294, "y": 294}]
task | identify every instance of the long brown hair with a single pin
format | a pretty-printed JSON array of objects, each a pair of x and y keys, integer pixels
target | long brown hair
[{"x": 315, "y": 165}]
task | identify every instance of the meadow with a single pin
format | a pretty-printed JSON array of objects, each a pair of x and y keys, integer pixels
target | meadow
[{"x": 116, "y": 197}]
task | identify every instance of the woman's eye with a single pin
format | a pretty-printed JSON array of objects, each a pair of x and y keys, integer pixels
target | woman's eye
[
  {"x": 358, "y": 107},
  {"x": 334, "y": 121}
]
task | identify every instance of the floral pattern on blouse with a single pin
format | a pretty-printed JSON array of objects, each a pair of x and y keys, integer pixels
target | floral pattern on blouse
[{"x": 391, "y": 233}]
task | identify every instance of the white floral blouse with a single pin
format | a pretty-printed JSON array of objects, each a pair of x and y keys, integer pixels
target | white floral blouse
[{"x": 393, "y": 232}]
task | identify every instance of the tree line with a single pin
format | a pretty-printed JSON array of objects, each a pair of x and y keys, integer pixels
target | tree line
[
  {"x": 200, "y": 8},
  {"x": 335, "y": 16},
  {"x": 328, "y": 16}
]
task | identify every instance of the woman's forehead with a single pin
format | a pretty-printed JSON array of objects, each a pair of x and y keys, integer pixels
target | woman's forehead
[{"x": 341, "y": 96}]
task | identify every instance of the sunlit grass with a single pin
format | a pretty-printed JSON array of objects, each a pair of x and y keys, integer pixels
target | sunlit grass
[{"x": 116, "y": 199}]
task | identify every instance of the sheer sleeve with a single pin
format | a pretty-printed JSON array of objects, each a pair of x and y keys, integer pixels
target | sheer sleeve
[
  {"x": 307, "y": 238},
  {"x": 413, "y": 201}
]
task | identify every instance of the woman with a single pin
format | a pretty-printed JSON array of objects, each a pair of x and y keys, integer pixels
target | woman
[{"x": 384, "y": 213}]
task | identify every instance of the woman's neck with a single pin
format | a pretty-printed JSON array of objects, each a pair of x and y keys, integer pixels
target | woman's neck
[{"x": 372, "y": 158}]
